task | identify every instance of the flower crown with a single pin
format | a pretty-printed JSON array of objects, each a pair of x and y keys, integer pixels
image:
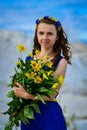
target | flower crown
[{"x": 57, "y": 23}]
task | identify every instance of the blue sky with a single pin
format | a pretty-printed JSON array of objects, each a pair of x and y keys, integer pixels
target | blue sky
[{"x": 21, "y": 15}]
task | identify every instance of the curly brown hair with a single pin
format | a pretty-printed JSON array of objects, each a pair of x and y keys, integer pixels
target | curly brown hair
[{"x": 61, "y": 46}]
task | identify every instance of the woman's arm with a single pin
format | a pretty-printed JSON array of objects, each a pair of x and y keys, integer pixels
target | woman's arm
[
  {"x": 22, "y": 93},
  {"x": 61, "y": 70}
]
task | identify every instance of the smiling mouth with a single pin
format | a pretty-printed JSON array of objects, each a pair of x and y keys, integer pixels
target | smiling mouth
[{"x": 45, "y": 42}]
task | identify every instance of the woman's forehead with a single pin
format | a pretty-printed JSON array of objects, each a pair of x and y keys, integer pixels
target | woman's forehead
[{"x": 46, "y": 27}]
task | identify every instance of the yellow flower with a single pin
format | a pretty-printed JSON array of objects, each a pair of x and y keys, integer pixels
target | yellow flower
[
  {"x": 45, "y": 76},
  {"x": 30, "y": 54},
  {"x": 39, "y": 65},
  {"x": 37, "y": 79},
  {"x": 33, "y": 64},
  {"x": 54, "y": 19},
  {"x": 36, "y": 68},
  {"x": 47, "y": 57},
  {"x": 18, "y": 63},
  {"x": 42, "y": 61},
  {"x": 30, "y": 75},
  {"x": 59, "y": 28},
  {"x": 37, "y": 52},
  {"x": 60, "y": 79},
  {"x": 27, "y": 75},
  {"x": 50, "y": 73},
  {"x": 54, "y": 86},
  {"x": 33, "y": 74},
  {"x": 21, "y": 48},
  {"x": 40, "y": 18},
  {"x": 49, "y": 64}
]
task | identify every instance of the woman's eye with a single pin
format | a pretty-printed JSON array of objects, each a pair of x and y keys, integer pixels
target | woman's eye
[
  {"x": 41, "y": 33},
  {"x": 50, "y": 33}
]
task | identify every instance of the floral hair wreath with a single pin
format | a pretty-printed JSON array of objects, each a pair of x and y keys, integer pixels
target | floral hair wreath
[{"x": 57, "y": 23}]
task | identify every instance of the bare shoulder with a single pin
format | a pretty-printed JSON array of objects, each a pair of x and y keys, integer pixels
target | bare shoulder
[
  {"x": 63, "y": 62},
  {"x": 62, "y": 66}
]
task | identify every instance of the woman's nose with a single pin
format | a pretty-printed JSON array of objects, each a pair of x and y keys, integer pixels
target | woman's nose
[{"x": 45, "y": 36}]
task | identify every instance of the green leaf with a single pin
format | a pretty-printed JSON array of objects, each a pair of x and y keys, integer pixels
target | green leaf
[
  {"x": 28, "y": 112},
  {"x": 15, "y": 70},
  {"x": 9, "y": 125},
  {"x": 21, "y": 100},
  {"x": 43, "y": 89},
  {"x": 8, "y": 128},
  {"x": 41, "y": 98},
  {"x": 22, "y": 117},
  {"x": 22, "y": 62},
  {"x": 10, "y": 93},
  {"x": 37, "y": 108}
]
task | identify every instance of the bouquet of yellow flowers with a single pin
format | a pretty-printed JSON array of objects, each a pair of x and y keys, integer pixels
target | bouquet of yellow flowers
[{"x": 36, "y": 76}]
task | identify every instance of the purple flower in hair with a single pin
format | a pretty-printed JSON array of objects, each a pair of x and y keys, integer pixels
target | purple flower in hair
[
  {"x": 37, "y": 21},
  {"x": 58, "y": 23},
  {"x": 46, "y": 17}
]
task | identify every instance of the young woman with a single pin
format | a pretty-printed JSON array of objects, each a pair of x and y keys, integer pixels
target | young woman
[{"x": 50, "y": 40}]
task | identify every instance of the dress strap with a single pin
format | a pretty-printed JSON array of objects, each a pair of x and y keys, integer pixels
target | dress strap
[
  {"x": 55, "y": 66},
  {"x": 59, "y": 59},
  {"x": 28, "y": 58}
]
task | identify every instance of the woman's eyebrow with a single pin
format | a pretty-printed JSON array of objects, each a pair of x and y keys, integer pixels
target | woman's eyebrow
[
  {"x": 49, "y": 32},
  {"x": 46, "y": 32}
]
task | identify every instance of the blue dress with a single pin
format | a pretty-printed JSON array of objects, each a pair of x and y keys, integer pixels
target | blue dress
[{"x": 51, "y": 116}]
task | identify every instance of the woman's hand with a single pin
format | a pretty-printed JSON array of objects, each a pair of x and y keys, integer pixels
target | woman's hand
[{"x": 21, "y": 92}]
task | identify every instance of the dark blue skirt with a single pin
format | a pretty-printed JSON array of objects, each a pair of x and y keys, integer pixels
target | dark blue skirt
[{"x": 50, "y": 118}]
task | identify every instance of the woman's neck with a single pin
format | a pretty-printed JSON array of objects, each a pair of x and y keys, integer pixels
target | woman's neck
[{"x": 45, "y": 52}]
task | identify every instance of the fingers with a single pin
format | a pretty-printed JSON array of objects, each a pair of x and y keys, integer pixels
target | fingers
[
  {"x": 15, "y": 88},
  {"x": 17, "y": 84}
]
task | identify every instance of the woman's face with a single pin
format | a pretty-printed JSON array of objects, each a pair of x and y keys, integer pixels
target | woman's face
[{"x": 46, "y": 35}]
